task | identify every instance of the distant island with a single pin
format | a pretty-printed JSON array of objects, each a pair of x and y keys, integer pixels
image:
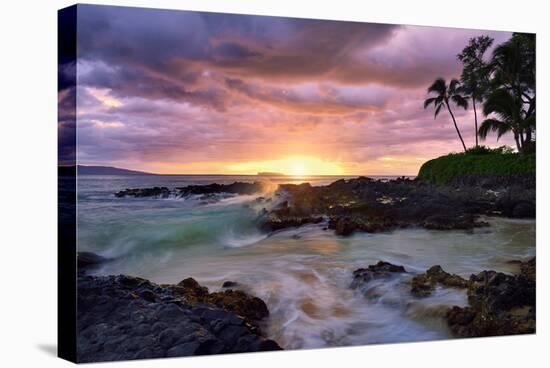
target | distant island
[
  {"x": 267, "y": 173},
  {"x": 99, "y": 170}
]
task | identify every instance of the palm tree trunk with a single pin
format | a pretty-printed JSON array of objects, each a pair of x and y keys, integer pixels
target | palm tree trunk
[
  {"x": 521, "y": 139},
  {"x": 516, "y": 137},
  {"x": 456, "y": 126},
  {"x": 528, "y": 135},
  {"x": 475, "y": 118}
]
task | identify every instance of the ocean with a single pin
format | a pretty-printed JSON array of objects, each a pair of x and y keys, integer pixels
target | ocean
[{"x": 303, "y": 274}]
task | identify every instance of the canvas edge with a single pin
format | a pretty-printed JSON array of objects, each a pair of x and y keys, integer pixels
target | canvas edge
[{"x": 66, "y": 243}]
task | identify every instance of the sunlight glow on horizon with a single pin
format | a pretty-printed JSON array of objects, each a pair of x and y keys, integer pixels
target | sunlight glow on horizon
[
  {"x": 295, "y": 166},
  {"x": 292, "y": 166}
]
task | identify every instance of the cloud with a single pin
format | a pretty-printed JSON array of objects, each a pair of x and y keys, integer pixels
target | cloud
[
  {"x": 312, "y": 98},
  {"x": 160, "y": 88}
]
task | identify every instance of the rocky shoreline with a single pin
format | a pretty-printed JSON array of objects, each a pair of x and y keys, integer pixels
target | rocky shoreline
[
  {"x": 123, "y": 317},
  {"x": 205, "y": 190},
  {"x": 498, "y": 304},
  {"x": 368, "y": 205}
]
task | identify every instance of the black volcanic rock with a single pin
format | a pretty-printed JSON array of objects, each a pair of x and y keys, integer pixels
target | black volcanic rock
[
  {"x": 422, "y": 285},
  {"x": 450, "y": 222},
  {"x": 86, "y": 260},
  {"x": 368, "y": 205},
  {"x": 230, "y": 284},
  {"x": 123, "y": 317},
  {"x": 380, "y": 270},
  {"x": 283, "y": 216},
  {"x": 234, "y": 188},
  {"x": 159, "y": 192},
  {"x": 499, "y": 304},
  {"x": 204, "y": 190}
]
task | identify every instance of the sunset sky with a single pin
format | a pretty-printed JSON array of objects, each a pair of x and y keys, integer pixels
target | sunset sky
[{"x": 187, "y": 92}]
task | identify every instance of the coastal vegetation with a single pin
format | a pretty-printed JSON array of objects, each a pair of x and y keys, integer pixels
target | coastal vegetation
[
  {"x": 504, "y": 84},
  {"x": 480, "y": 161}
]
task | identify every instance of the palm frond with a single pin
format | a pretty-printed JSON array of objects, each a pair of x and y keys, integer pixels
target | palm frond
[
  {"x": 460, "y": 101},
  {"x": 493, "y": 125},
  {"x": 437, "y": 109},
  {"x": 439, "y": 86},
  {"x": 453, "y": 86},
  {"x": 429, "y": 101},
  {"x": 500, "y": 102}
]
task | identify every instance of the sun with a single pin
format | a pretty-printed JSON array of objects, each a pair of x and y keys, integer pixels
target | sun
[
  {"x": 297, "y": 169},
  {"x": 299, "y": 166}
]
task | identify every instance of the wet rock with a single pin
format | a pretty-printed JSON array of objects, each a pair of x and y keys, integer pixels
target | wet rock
[
  {"x": 251, "y": 308},
  {"x": 470, "y": 322},
  {"x": 517, "y": 202},
  {"x": 528, "y": 270},
  {"x": 495, "y": 291},
  {"x": 234, "y": 188},
  {"x": 524, "y": 210},
  {"x": 148, "y": 295},
  {"x": 204, "y": 190},
  {"x": 90, "y": 260},
  {"x": 192, "y": 289},
  {"x": 450, "y": 222},
  {"x": 348, "y": 225},
  {"x": 380, "y": 270},
  {"x": 364, "y": 204},
  {"x": 422, "y": 285},
  {"x": 123, "y": 317},
  {"x": 230, "y": 284},
  {"x": 274, "y": 221},
  {"x": 368, "y": 205},
  {"x": 499, "y": 304},
  {"x": 159, "y": 192}
]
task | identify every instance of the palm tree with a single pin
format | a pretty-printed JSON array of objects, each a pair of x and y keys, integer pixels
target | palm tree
[
  {"x": 475, "y": 73},
  {"x": 507, "y": 109},
  {"x": 444, "y": 94},
  {"x": 513, "y": 70}
]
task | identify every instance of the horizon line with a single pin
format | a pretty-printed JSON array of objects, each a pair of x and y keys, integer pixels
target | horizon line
[{"x": 141, "y": 172}]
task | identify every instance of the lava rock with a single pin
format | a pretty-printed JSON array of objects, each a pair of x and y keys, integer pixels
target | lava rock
[
  {"x": 123, "y": 317},
  {"x": 230, "y": 284},
  {"x": 450, "y": 222},
  {"x": 87, "y": 260},
  {"x": 422, "y": 285},
  {"x": 499, "y": 304},
  {"x": 380, "y": 270},
  {"x": 158, "y": 192}
]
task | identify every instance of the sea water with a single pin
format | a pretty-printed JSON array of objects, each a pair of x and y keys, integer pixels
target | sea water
[{"x": 303, "y": 274}]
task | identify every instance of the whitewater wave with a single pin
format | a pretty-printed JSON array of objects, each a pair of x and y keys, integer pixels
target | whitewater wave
[{"x": 233, "y": 240}]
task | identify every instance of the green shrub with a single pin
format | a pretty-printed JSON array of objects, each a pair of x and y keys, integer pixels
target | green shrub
[
  {"x": 481, "y": 161},
  {"x": 484, "y": 150}
]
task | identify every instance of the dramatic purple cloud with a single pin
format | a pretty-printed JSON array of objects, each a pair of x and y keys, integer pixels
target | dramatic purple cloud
[{"x": 169, "y": 91}]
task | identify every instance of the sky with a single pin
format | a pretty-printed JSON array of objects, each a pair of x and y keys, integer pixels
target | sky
[{"x": 206, "y": 93}]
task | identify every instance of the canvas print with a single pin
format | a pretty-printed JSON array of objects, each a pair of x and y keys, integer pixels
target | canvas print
[{"x": 240, "y": 183}]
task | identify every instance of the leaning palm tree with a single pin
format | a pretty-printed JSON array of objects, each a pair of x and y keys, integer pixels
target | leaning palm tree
[
  {"x": 443, "y": 95},
  {"x": 508, "y": 116}
]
